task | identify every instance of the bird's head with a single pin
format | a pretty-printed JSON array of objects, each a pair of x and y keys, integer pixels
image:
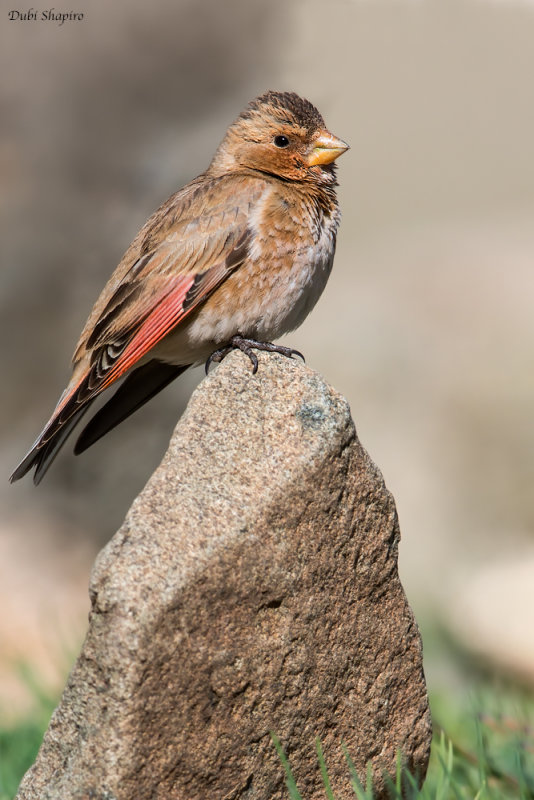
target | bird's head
[{"x": 281, "y": 134}]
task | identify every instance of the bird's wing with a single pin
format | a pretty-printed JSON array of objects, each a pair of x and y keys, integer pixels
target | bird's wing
[{"x": 185, "y": 250}]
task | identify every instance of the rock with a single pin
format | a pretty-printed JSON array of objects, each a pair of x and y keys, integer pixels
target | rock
[{"x": 253, "y": 587}]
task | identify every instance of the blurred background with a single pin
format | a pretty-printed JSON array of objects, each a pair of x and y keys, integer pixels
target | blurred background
[{"x": 426, "y": 326}]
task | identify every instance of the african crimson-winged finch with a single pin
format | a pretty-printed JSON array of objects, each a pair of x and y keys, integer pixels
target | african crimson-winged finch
[{"x": 236, "y": 258}]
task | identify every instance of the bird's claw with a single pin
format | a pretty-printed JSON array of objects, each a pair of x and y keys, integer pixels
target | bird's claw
[
  {"x": 247, "y": 346},
  {"x": 217, "y": 356}
]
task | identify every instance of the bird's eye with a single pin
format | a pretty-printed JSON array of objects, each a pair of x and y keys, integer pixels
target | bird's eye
[{"x": 281, "y": 141}]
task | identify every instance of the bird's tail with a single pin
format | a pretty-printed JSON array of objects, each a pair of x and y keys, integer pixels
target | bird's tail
[
  {"x": 47, "y": 446},
  {"x": 137, "y": 388}
]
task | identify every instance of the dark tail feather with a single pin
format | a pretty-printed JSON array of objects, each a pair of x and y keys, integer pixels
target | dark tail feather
[
  {"x": 138, "y": 387},
  {"x": 135, "y": 390},
  {"x": 42, "y": 453}
]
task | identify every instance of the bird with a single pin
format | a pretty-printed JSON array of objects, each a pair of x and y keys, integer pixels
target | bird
[{"x": 233, "y": 260}]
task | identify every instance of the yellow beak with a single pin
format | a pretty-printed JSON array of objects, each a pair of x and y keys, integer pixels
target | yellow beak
[{"x": 325, "y": 149}]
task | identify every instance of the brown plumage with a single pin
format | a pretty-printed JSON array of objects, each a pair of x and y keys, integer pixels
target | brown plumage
[{"x": 236, "y": 258}]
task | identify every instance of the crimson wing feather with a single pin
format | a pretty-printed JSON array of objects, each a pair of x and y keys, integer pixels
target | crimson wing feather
[{"x": 153, "y": 295}]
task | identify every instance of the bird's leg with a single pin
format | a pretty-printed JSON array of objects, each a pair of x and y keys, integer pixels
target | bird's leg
[{"x": 247, "y": 346}]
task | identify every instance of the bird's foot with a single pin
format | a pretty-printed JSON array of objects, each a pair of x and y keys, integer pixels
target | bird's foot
[{"x": 247, "y": 346}]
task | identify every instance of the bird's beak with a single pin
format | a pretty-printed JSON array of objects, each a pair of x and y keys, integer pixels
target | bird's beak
[{"x": 325, "y": 149}]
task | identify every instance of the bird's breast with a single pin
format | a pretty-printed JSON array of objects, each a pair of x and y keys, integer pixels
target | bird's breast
[{"x": 287, "y": 266}]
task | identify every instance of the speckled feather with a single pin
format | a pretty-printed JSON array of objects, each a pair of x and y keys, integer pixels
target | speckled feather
[{"x": 246, "y": 248}]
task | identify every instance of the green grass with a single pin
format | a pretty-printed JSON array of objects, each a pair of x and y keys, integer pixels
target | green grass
[
  {"x": 484, "y": 751},
  {"x": 20, "y": 740}
]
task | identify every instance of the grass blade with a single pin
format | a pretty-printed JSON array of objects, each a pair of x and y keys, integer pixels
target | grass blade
[
  {"x": 324, "y": 771},
  {"x": 290, "y": 780}
]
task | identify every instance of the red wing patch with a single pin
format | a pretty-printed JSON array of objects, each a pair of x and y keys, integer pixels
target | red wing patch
[
  {"x": 180, "y": 301},
  {"x": 112, "y": 359},
  {"x": 165, "y": 316}
]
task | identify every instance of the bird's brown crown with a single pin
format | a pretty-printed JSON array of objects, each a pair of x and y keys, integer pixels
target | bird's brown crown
[
  {"x": 278, "y": 134},
  {"x": 286, "y": 107}
]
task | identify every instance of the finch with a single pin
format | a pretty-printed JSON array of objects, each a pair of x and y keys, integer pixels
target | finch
[{"x": 235, "y": 259}]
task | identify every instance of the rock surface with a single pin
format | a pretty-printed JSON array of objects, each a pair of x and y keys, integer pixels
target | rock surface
[{"x": 253, "y": 587}]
